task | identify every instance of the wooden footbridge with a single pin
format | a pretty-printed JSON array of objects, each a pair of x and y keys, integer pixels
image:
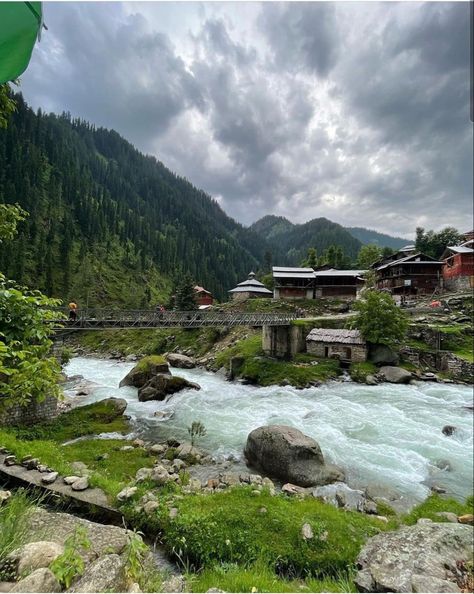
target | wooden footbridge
[{"x": 101, "y": 319}]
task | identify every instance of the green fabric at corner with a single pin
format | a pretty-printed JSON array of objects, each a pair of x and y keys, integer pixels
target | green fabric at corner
[{"x": 19, "y": 26}]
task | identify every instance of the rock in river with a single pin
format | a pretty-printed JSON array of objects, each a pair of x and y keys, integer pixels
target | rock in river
[
  {"x": 420, "y": 558},
  {"x": 162, "y": 385},
  {"x": 395, "y": 375},
  {"x": 144, "y": 371},
  {"x": 286, "y": 453},
  {"x": 181, "y": 361}
]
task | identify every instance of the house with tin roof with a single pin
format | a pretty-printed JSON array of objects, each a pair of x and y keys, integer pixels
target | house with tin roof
[
  {"x": 458, "y": 266},
  {"x": 250, "y": 288}
]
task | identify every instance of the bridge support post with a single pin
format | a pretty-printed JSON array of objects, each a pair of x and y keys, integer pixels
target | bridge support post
[{"x": 283, "y": 342}]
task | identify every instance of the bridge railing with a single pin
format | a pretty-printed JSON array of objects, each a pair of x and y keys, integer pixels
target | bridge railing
[{"x": 140, "y": 318}]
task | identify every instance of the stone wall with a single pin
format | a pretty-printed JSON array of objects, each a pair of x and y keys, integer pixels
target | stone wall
[
  {"x": 32, "y": 413},
  {"x": 459, "y": 283},
  {"x": 353, "y": 352},
  {"x": 283, "y": 342},
  {"x": 444, "y": 361}
]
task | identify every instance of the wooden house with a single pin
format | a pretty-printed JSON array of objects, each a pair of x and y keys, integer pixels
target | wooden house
[
  {"x": 343, "y": 284},
  {"x": 345, "y": 345},
  {"x": 458, "y": 267},
  {"x": 293, "y": 283},
  {"x": 203, "y": 297},
  {"x": 250, "y": 288},
  {"x": 415, "y": 274}
]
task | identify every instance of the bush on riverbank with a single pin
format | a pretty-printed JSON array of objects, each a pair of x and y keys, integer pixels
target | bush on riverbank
[
  {"x": 14, "y": 518},
  {"x": 265, "y": 371},
  {"x": 359, "y": 371}
]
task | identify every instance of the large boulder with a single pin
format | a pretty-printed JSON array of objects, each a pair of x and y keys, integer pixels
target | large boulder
[
  {"x": 181, "y": 361},
  {"x": 420, "y": 558},
  {"x": 395, "y": 375},
  {"x": 41, "y": 580},
  {"x": 287, "y": 454},
  {"x": 144, "y": 371},
  {"x": 162, "y": 385},
  {"x": 34, "y": 555},
  {"x": 107, "y": 574},
  {"x": 381, "y": 354}
]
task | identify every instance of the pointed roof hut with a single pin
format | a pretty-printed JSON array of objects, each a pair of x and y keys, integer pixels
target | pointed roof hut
[{"x": 250, "y": 288}]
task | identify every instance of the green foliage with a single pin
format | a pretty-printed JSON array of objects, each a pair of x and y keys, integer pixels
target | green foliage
[
  {"x": 196, "y": 430},
  {"x": 231, "y": 577},
  {"x": 135, "y": 554},
  {"x": 229, "y": 527},
  {"x": 109, "y": 225},
  {"x": 65, "y": 355},
  {"x": 265, "y": 371},
  {"x": 91, "y": 419},
  {"x": 359, "y": 371},
  {"x": 311, "y": 260},
  {"x": 368, "y": 255},
  {"x": 7, "y": 105},
  {"x": 27, "y": 371},
  {"x": 14, "y": 523},
  {"x": 434, "y": 504},
  {"x": 185, "y": 296},
  {"x": 10, "y": 216},
  {"x": 335, "y": 257},
  {"x": 70, "y": 564},
  {"x": 147, "y": 362},
  {"x": 433, "y": 244},
  {"x": 379, "y": 319}
]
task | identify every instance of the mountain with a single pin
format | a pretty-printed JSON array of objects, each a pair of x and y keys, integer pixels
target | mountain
[
  {"x": 108, "y": 225},
  {"x": 289, "y": 242},
  {"x": 381, "y": 239}
]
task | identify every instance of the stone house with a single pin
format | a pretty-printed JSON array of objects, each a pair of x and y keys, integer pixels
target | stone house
[{"x": 345, "y": 345}]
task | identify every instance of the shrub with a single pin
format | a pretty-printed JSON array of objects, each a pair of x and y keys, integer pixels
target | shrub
[{"x": 379, "y": 319}]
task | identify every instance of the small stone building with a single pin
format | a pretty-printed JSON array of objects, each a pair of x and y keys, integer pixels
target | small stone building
[
  {"x": 250, "y": 289},
  {"x": 346, "y": 345}
]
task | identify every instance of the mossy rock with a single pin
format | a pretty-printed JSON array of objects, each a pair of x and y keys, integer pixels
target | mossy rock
[
  {"x": 162, "y": 385},
  {"x": 146, "y": 369}
]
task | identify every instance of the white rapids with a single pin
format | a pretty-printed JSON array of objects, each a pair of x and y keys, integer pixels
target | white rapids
[{"x": 386, "y": 435}]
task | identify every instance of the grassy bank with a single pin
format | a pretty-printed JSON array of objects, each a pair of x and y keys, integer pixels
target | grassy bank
[{"x": 257, "y": 368}]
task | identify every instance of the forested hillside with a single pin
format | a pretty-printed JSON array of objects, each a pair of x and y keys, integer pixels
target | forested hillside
[
  {"x": 108, "y": 225},
  {"x": 293, "y": 241},
  {"x": 374, "y": 237}
]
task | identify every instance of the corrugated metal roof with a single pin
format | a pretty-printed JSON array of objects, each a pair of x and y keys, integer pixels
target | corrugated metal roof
[
  {"x": 409, "y": 259},
  {"x": 333, "y": 335},
  {"x": 248, "y": 288},
  {"x": 460, "y": 249},
  {"x": 290, "y": 269},
  {"x": 303, "y": 275},
  {"x": 339, "y": 272}
]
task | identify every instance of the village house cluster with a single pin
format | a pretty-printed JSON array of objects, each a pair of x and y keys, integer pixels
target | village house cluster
[{"x": 405, "y": 273}]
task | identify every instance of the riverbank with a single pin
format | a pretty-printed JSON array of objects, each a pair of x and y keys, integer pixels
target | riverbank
[{"x": 221, "y": 531}]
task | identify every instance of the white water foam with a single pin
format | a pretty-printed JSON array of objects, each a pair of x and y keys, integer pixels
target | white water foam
[{"x": 388, "y": 435}]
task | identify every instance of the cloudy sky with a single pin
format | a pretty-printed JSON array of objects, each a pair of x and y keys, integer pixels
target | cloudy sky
[{"x": 356, "y": 111}]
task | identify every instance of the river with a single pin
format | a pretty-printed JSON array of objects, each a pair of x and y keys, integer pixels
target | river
[{"x": 386, "y": 435}]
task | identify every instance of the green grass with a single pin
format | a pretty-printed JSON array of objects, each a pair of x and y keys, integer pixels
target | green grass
[
  {"x": 14, "y": 519},
  {"x": 234, "y": 578},
  {"x": 145, "y": 363},
  {"x": 110, "y": 474},
  {"x": 266, "y": 371},
  {"x": 359, "y": 371},
  {"x": 228, "y": 527},
  {"x": 92, "y": 419},
  {"x": 147, "y": 342},
  {"x": 436, "y": 503}
]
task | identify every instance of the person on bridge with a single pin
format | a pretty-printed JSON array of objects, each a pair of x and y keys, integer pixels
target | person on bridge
[{"x": 72, "y": 311}]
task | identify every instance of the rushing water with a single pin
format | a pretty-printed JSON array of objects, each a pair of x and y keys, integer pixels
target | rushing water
[{"x": 387, "y": 435}]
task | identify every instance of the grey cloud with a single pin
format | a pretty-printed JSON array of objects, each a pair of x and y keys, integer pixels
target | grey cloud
[
  {"x": 302, "y": 35},
  {"x": 356, "y": 112}
]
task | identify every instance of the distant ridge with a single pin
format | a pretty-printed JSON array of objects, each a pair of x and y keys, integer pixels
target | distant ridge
[{"x": 381, "y": 239}]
